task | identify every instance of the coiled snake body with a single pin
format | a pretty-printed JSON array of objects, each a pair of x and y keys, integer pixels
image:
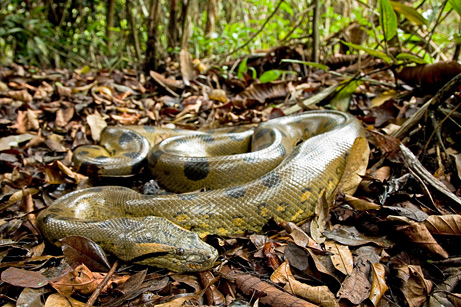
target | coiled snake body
[{"x": 293, "y": 160}]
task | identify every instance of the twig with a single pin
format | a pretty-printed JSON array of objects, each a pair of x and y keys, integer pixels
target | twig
[
  {"x": 98, "y": 290},
  {"x": 255, "y": 34},
  {"x": 445, "y": 92}
]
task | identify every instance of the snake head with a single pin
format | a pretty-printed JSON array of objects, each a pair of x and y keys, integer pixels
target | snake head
[{"x": 155, "y": 241}]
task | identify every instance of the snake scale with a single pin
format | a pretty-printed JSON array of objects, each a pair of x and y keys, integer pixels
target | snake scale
[{"x": 292, "y": 160}]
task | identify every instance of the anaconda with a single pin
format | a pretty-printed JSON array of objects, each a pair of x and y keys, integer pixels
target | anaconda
[{"x": 310, "y": 152}]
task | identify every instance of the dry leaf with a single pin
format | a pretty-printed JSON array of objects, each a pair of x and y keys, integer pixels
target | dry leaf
[
  {"x": 97, "y": 124},
  {"x": 14, "y": 140},
  {"x": 340, "y": 256},
  {"x": 378, "y": 285},
  {"x": 356, "y": 288},
  {"x": 33, "y": 120},
  {"x": 187, "y": 70},
  {"x": 356, "y": 166},
  {"x": 444, "y": 224},
  {"x": 360, "y": 204},
  {"x": 417, "y": 288},
  {"x": 57, "y": 300},
  {"x": 22, "y": 95},
  {"x": 420, "y": 235},
  {"x": 79, "y": 280},
  {"x": 299, "y": 236},
  {"x": 318, "y": 295},
  {"x": 23, "y": 278}
]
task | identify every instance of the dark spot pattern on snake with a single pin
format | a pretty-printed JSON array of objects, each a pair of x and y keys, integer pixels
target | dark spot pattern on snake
[
  {"x": 281, "y": 149},
  {"x": 187, "y": 196},
  {"x": 235, "y": 192},
  {"x": 251, "y": 159},
  {"x": 207, "y": 138},
  {"x": 132, "y": 155},
  {"x": 125, "y": 138},
  {"x": 260, "y": 133},
  {"x": 149, "y": 129},
  {"x": 271, "y": 180},
  {"x": 196, "y": 170},
  {"x": 83, "y": 153},
  {"x": 101, "y": 159},
  {"x": 154, "y": 156}
]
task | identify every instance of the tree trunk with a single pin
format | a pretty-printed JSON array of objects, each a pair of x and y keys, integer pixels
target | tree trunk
[
  {"x": 151, "y": 45},
  {"x": 133, "y": 30},
  {"x": 315, "y": 32},
  {"x": 110, "y": 22},
  {"x": 172, "y": 35}
]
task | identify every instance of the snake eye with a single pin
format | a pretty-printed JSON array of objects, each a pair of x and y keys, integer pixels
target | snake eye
[{"x": 180, "y": 251}]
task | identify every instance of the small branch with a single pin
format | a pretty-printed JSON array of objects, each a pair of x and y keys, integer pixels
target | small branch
[
  {"x": 255, "y": 34},
  {"x": 98, "y": 290}
]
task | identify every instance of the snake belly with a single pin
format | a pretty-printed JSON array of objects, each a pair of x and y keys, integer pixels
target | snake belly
[{"x": 311, "y": 151}]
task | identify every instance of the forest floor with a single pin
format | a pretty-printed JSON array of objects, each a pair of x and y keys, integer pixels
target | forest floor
[{"x": 394, "y": 243}]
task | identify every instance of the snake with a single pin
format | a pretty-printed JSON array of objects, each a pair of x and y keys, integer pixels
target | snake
[{"x": 225, "y": 181}]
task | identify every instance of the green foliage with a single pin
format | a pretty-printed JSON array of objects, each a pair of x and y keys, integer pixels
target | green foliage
[
  {"x": 456, "y": 5},
  {"x": 311, "y": 64},
  {"x": 76, "y": 36},
  {"x": 270, "y": 75},
  {"x": 387, "y": 19},
  {"x": 372, "y": 52},
  {"x": 410, "y": 13}
]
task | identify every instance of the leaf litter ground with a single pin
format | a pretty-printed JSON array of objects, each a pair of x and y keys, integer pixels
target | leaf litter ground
[{"x": 395, "y": 242}]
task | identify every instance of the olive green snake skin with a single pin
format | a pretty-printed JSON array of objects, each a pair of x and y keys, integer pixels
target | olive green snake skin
[{"x": 293, "y": 160}]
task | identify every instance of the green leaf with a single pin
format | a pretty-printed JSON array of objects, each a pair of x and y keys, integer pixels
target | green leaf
[
  {"x": 375, "y": 53},
  {"x": 284, "y": 6},
  {"x": 409, "y": 57},
  {"x": 41, "y": 45},
  {"x": 410, "y": 13},
  {"x": 270, "y": 75},
  {"x": 343, "y": 98},
  {"x": 254, "y": 73},
  {"x": 387, "y": 19},
  {"x": 312, "y": 64},
  {"x": 456, "y": 5},
  {"x": 242, "y": 68}
]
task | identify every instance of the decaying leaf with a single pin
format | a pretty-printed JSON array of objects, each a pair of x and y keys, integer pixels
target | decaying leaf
[
  {"x": 378, "y": 284},
  {"x": 24, "y": 278},
  {"x": 356, "y": 166},
  {"x": 57, "y": 300},
  {"x": 14, "y": 140},
  {"x": 320, "y": 295},
  {"x": 82, "y": 250},
  {"x": 340, "y": 256},
  {"x": 417, "y": 288},
  {"x": 268, "y": 294},
  {"x": 97, "y": 124},
  {"x": 82, "y": 280},
  {"x": 356, "y": 288},
  {"x": 420, "y": 235},
  {"x": 444, "y": 224}
]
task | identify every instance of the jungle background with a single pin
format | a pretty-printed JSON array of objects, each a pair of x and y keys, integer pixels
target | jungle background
[{"x": 70, "y": 68}]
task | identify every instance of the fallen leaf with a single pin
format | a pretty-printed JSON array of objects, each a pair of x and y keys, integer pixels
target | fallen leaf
[
  {"x": 318, "y": 295},
  {"x": 78, "y": 249},
  {"x": 97, "y": 124},
  {"x": 419, "y": 235},
  {"x": 57, "y": 300},
  {"x": 378, "y": 284},
  {"x": 444, "y": 224},
  {"x": 340, "y": 256},
  {"x": 23, "y": 278},
  {"x": 417, "y": 288},
  {"x": 356, "y": 288},
  {"x": 349, "y": 235},
  {"x": 14, "y": 140}
]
